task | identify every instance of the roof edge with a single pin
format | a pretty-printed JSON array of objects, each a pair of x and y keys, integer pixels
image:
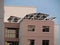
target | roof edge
[{"x": 20, "y": 6}]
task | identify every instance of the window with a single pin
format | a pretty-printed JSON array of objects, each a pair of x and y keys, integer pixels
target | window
[
  {"x": 11, "y": 33},
  {"x": 31, "y": 41},
  {"x": 45, "y": 28},
  {"x": 12, "y": 43},
  {"x": 31, "y": 27},
  {"x": 45, "y": 42}
]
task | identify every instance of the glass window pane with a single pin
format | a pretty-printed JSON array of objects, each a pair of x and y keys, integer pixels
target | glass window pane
[
  {"x": 11, "y": 31},
  {"x": 31, "y": 27},
  {"x": 45, "y": 28},
  {"x": 12, "y": 35}
]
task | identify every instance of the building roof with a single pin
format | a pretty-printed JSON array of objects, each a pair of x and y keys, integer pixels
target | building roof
[
  {"x": 37, "y": 16},
  {"x": 20, "y": 6}
]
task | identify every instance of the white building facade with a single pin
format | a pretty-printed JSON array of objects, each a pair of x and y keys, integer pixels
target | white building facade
[{"x": 18, "y": 11}]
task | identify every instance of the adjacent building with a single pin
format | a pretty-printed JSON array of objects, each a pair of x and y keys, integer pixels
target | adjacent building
[
  {"x": 11, "y": 33},
  {"x": 18, "y": 11},
  {"x": 1, "y": 22}
]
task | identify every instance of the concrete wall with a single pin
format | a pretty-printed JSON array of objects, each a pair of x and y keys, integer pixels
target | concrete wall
[
  {"x": 56, "y": 34},
  {"x": 1, "y": 22},
  {"x": 59, "y": 36},
  {"x": 19, "y": 11},
  {"x": 38, "y": 35},
  {"x": 21, "y": 37}
]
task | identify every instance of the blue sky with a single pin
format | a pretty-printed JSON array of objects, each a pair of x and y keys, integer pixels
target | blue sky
[{"x": 51, "y": 7}]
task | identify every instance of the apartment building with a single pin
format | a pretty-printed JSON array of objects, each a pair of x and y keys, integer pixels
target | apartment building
[
  {"x": 23, "y": 26},
  {"x": 28, "y": 31},
  {"x": 33, "y": 29}
]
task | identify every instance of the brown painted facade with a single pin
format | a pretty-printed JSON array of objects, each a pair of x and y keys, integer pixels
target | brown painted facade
[
  {"x": 8, "y": 38},
  {"x": 11, "y": 25}
]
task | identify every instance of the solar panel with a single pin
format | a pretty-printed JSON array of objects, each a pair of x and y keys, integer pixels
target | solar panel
[
  {"x": 13, "y": 19},
  {"x": 37, "y": 16}
]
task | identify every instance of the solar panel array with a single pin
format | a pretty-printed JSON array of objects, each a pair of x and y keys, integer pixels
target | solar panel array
[
  {"x": 13, "y": 19},
  {"x": 38, "y": 16},
  {"x": 33, "y": 16}
]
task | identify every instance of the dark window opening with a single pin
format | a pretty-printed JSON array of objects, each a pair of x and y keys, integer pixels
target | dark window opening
[
  {"x": 12, "y": 33},
  {"x": 13, "y": 42},
  {"x": 31, "y": 42},
  {"x": 31, "y": 27},
  {"x": 45, "y": 28},
  {"x": 45, "y": 42}
]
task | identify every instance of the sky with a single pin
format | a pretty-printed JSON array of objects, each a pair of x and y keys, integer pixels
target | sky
[{"x": 51, "y": 7}]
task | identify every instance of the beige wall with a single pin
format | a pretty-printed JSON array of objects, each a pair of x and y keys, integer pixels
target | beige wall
[
  {"x": 56, "y": 31},
  {"x": 19, "y": 11},
  {"x": 1, "y": 22}
]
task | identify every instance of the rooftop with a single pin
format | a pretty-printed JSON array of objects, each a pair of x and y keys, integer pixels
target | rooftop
[{"x": 32, "y": 16}]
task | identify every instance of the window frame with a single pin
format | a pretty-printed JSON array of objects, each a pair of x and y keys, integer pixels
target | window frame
[
  {"x": 46, "y": 29},
  {"x": 31, "y": 41},
  {"x": 45, "y": 42},
  {"x": 9, "y": 34},
  {"x": 31, "y": 28}
]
